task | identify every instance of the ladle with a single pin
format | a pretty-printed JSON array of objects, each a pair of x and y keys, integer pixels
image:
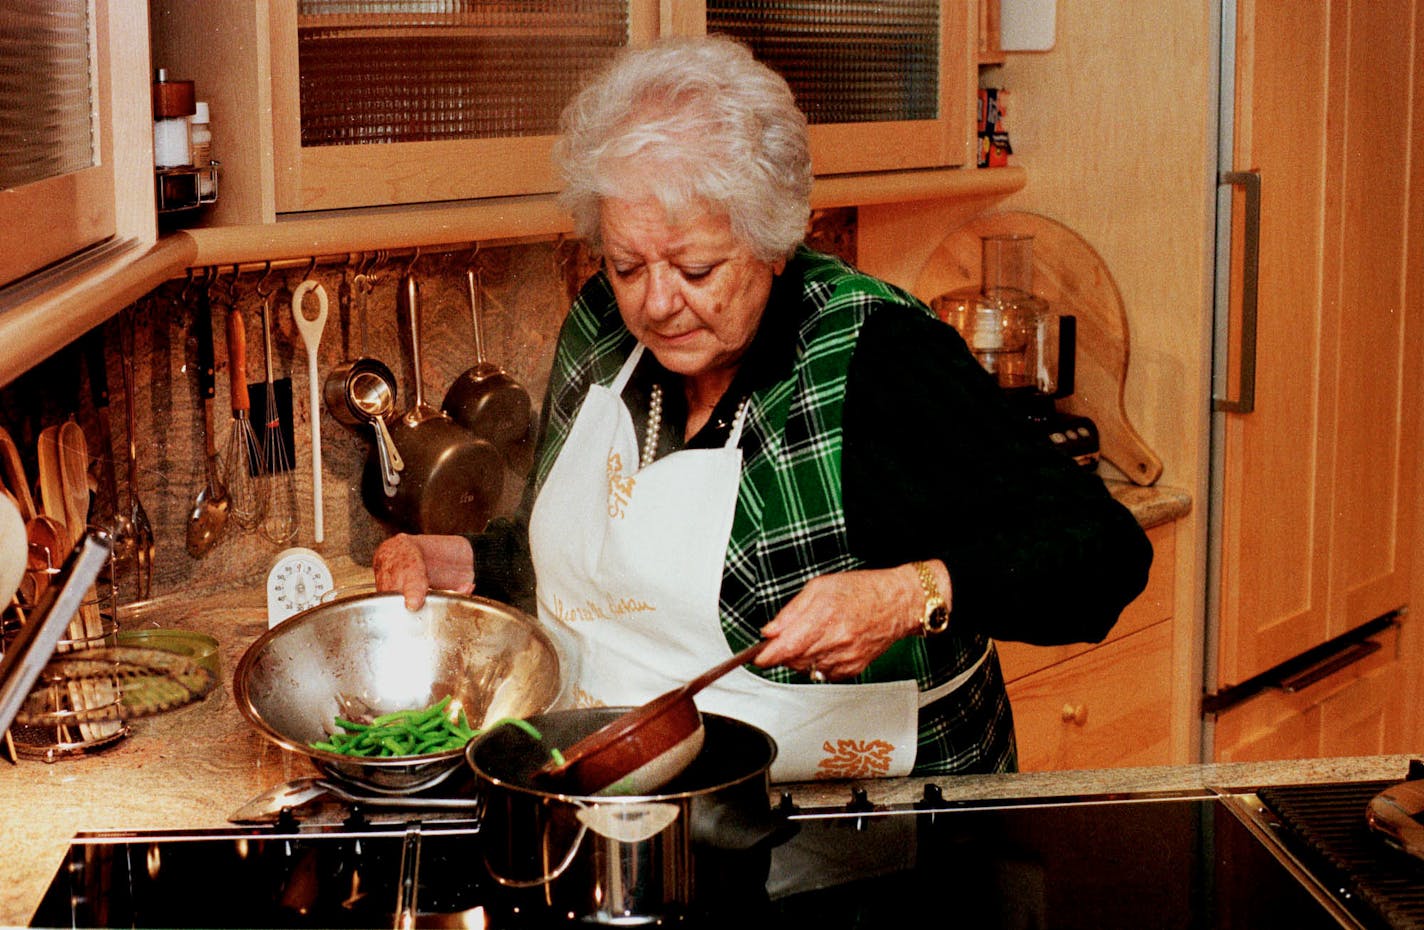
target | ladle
[
  {"x": 648, "y": 746},
  {"x": 210, "y": 508}
]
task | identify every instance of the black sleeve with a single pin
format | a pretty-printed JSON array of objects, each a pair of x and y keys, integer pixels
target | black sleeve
[
  {"x": 504, "y": 566},
  {"x": 937, "y": 466},
  {"x": 504, "y": 570}
]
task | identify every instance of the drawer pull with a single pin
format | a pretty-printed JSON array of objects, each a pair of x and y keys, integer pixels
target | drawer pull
[
  {"x": 1075, "y": 713},
  {"x": 1328, "y": 666}
]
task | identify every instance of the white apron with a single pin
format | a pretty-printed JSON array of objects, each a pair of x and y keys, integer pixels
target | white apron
[{"x": 629, "y": 566}]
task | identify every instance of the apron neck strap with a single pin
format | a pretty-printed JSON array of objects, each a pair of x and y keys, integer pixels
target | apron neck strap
[{"x": 620, "y": 381}]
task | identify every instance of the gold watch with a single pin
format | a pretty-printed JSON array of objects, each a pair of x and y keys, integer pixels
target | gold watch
[{"x": 935, "y": 619}]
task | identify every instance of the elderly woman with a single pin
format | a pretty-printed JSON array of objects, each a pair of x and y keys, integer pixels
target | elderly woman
[{"x": 746, "y": 439}]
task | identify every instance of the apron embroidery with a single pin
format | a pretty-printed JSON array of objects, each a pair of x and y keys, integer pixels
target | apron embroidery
[
  {"x": 853, "y": 758},
  {"x": 620, "y": 486},
  {"x": 593, "y": 610}
]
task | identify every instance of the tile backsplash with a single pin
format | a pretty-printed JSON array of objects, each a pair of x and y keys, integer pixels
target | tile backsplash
[{"x": 526, "y": 290}]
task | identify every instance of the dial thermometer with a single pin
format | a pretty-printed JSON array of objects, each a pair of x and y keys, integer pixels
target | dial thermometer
[{"x": 297, "y": 581}]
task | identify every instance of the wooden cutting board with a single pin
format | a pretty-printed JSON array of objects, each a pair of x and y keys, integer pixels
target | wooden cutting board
[{"x": 1073, "y": 278}]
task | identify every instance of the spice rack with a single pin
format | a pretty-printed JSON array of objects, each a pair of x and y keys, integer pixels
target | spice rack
[{"x": 183, "y": 190}]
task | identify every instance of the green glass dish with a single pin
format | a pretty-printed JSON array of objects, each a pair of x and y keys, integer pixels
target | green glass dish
[{"x": 200, "y": 647}]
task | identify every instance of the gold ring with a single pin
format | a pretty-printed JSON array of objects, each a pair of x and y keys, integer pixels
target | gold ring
[{"x": 817, "y": 676}]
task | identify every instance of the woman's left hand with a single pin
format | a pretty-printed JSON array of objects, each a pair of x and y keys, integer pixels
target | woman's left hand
[{"x": 837, "y": 624}]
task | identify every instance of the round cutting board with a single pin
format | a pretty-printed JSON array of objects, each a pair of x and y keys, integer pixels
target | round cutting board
[{"x": 1073, "y": 278}]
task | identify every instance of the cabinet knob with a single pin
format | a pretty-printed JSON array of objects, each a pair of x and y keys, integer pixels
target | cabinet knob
[{"x": 1075, "y": 713}]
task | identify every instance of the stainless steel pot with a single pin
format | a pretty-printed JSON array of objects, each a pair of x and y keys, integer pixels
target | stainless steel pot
[{"x": 629, "y": 859}]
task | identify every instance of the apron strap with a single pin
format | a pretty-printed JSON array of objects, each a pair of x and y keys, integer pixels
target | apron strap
[
  {"x": 957, "y": 682},
  {"x": 626, "y": 372},
  {"x": 619, "y": 382}
]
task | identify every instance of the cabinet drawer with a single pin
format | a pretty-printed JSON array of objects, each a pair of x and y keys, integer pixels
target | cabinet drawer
[
  {"x": 1355, "y": 712},
  {"x": 1153, "y": 605},
  {"x": 1109, "y": 707}
]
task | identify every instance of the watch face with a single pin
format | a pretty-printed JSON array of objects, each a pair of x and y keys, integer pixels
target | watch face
[{"x": 936, "y": 618}]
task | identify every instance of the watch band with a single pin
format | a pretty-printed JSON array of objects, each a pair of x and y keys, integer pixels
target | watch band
[{"x": 935, "y": 618}]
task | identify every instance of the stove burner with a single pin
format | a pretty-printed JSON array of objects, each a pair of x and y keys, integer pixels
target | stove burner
[{"x": 1325, "y": 825}]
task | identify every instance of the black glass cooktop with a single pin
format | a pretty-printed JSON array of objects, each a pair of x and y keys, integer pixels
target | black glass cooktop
[{"x": 1180, "y": 862}]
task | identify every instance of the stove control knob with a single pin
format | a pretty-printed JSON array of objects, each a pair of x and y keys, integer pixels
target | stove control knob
[
  {"x": 932, "y": 800},
  {"x": 859, "y": 802},
  {"x": 1075, "y": 713}
]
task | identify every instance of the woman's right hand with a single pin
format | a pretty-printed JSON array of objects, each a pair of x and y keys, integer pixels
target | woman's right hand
[{"x": 412, "y": 565}]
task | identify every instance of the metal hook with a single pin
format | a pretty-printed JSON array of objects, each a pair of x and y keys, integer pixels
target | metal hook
[
  {"x": 266, "y": 273},
  {"x": 232, "y": 285},
  {"x": 187, "y": 284},
  {"x": 311, "y": 266},
  {"x": 410, "y": 265}
]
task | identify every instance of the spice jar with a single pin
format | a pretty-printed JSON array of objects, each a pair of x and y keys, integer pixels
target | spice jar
[
  {"x": 201, "y": 136},
  {"x": 173, "y": 103}
]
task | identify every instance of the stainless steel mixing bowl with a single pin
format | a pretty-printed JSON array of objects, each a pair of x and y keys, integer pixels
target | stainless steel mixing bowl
[{"x": 360, "y": 656}]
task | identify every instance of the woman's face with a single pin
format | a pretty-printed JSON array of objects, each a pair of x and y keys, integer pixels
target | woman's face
[{"x": 690, "y": 292}]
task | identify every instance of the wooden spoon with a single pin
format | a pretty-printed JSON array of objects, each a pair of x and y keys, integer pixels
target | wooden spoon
[
  {"x": 74, "y": 473},
  {"x": 14, "y": 473},
  {"x": 52, "y": 499},
  {"x": 646, "y": 747},
  {"x": 74, "y": 477}
]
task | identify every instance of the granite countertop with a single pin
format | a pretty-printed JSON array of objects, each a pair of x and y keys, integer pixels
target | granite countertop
[
  {"x": 191, "y": 767},
  {"x": 1152, "y": 505}
]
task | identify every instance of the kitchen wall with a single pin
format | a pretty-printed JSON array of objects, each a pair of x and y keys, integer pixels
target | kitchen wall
[
  {"x": 1116, "y": 129},
  {"x": 527, "y": 288}
]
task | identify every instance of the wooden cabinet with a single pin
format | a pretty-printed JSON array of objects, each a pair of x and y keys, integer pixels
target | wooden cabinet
[
  {"x": 1355, "y": 712},
  {"x": 1318, "y": 480},
  {"x": 1109, "y": 707},
  {"x": 1102, "y": 705},
  {"x": 253, "y": 63}
]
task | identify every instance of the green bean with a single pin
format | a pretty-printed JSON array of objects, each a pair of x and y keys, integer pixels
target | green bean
[{"x": 412, "y": 733}]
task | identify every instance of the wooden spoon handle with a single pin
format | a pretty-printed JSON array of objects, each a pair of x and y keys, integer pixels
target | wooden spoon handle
[
  {"x": 237, "y": 361},
  {"x": 722, "y": 668}
]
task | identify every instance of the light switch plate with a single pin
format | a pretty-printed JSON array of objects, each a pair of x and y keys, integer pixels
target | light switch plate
[{"x": 1027, "y": 25}]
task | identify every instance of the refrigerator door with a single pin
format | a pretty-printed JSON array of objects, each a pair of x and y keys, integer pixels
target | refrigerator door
[{"x": 1315, "y": 437}]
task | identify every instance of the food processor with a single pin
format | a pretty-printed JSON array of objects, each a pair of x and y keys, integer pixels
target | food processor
[{"x": 1022, "y": 342}]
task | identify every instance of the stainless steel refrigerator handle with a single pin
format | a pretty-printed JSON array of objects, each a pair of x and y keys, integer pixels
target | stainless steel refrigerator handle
[{"x": 1245, "y": 402}]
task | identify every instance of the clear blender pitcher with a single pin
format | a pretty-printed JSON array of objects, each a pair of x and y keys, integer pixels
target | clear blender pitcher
[{"x": 1012, "y": 332}]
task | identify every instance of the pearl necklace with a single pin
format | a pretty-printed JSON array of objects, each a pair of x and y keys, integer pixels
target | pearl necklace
[{"x": 655, "y": 424}]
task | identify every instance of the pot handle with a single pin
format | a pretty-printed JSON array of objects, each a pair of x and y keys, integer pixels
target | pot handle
[{"x": 559, "y": 869}]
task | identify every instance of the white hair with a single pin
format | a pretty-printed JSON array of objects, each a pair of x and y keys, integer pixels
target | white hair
[{"x": 693, "y": 122}]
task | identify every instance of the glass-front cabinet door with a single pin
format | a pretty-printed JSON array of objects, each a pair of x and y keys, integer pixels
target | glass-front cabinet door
[
  {"x": 885, "y": 85},
  {"x": 407, "y": 101}
]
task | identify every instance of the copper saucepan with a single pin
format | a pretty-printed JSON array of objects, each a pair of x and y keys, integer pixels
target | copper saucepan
[{"x": 647, "y": 747}]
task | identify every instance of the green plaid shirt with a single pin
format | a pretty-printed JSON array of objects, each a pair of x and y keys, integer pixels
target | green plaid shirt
[{"x": 790, "y": 521}]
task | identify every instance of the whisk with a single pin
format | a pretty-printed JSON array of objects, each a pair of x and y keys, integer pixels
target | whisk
[
  {"x": 280, "y": 522},
  {"x": 242, "y": 461}
]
